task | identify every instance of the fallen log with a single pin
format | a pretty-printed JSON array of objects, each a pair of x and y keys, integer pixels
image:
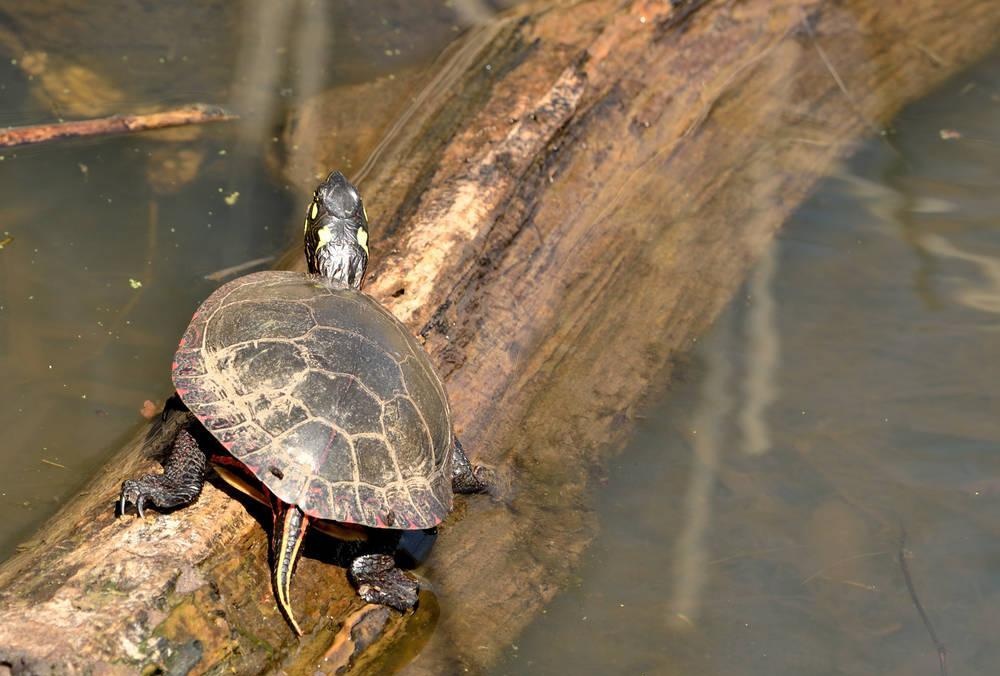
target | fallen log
[
  {"x": 558, "y": 224},
  {"x": 195, "y": 113}
]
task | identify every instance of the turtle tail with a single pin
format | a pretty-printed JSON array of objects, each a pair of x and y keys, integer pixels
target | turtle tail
[{"x": 290, "y": 525}]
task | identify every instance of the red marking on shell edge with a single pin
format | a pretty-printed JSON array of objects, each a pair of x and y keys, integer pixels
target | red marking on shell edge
[
  {"x": 173, "y": 365},
  {"x": 315, "y": 514}
]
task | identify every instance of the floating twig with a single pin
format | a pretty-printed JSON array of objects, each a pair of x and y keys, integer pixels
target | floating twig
[
  {"x": 908, "y": 579},
  {"x": 219, "y": 275},
  {"x": 53, "y": 463},
  {"x": 196, "y": 113},
  {"x": 5, "y": 241},
  {"x": 836, "y": 76}
]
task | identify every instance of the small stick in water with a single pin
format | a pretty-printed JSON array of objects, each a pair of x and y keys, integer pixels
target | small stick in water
[
  {"x": 219, "y": 275},
  {"x": 196, "y": 113},
  {"x": 941, "y": 650},
  {"x": 53, "y": 463}
]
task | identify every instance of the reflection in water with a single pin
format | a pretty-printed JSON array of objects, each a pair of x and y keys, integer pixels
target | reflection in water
[
  {"x": 763, "y": 346},
  {"x": 714, "y": 404},
  {"x": 261, "y": 64},
  {"x": 285, "y": 53},
  {"x": 860, "y": 494},
  {"x": 473, "y": 12},
  {"x": 969, "y": 293}
]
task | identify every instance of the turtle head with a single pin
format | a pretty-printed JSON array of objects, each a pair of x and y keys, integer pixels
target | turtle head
[{"x": 336, "y": 232}]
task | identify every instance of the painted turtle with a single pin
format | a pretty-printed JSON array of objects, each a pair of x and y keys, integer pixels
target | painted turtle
[{"x": 307, "y": 394}]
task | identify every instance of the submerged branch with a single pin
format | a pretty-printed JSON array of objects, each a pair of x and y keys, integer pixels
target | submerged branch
[{"x": 942, "y": 651}]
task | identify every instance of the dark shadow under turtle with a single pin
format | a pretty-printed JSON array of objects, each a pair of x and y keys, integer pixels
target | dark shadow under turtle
[{"x": 308, "y": 395}]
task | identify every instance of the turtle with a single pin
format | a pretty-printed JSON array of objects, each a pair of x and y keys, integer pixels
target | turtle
[{"x": 304, "y": 392}]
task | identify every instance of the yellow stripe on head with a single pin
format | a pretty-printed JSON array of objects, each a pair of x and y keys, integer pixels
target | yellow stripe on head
[
  {"x": 324, "y": 235},
  {"x": 313, "y": 211},
  {"x": 363, "y": 238}
]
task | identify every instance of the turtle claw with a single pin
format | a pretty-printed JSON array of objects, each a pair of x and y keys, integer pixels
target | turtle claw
[
  {"x": 379, "y": 581},
  {"x": 132, "y": 492},
  {"x": 154, "y": 489}
]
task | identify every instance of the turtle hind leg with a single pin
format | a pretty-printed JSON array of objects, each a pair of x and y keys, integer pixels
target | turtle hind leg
[
  {"x": 179, "y": 485},
  {"x": 469, "y": 478},
  {"x": 378, "y": 580}
]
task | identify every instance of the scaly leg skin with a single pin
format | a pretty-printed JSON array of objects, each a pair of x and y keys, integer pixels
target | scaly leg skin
[
  {"x": 181, "y": 481},
  {"x": 378, "y": 580},
  {"x": 469, "y": 478}
]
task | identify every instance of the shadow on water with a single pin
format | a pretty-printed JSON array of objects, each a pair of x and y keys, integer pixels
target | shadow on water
[
  {"x": 826, "y": 460},
  {"x": 109, "y": 244}
]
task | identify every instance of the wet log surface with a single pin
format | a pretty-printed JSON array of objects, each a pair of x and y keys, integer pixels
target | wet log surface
[{"x": 567, "y": 210}]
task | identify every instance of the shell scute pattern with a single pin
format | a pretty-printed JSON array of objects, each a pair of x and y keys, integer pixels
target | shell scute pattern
[
  {"x": 343, "y": 499},
  {"x": 422, "y": 389},
  {"x": 202, "y": 395},
  {"x": 360, "y": 409},
  {"x": 189, "y": 363},
  {"x": 264, "y": 367},
  {"x": 363, "y": 322},
  {"x": 405, "y": 431},
  {"x": 336, "y": 351},
  {"x": 241, "y": 440},
  {"x": 311, "y": 449},
  {"x": 324, "y": 395},
  {"x": 371, "y": 501},
  {"x": 246, "y": 321},
  {"x": 374, "y": 460},
  {"x": 220, "y": 416},
  {"x": 317, "y": 495},
  {"x": 430, "y": 499},
  {"x": 280, "y": 414}
]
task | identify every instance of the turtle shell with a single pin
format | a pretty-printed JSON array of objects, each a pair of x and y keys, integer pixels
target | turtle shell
[{"x": 324, "y": 395}]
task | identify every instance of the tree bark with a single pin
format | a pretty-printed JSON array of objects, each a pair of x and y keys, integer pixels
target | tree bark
[{"x": 558, "y": 220}]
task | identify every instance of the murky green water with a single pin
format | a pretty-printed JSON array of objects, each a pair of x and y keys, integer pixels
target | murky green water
[
  {"x": 844, "y": 412},
  {"x": 108, "y": 243}
]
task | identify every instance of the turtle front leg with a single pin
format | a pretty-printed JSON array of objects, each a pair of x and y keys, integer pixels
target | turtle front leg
[
  {"x": 181, "y": 481},
  {"x": 469, "y": 478},
  {"x": 378, "y": 580}
]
